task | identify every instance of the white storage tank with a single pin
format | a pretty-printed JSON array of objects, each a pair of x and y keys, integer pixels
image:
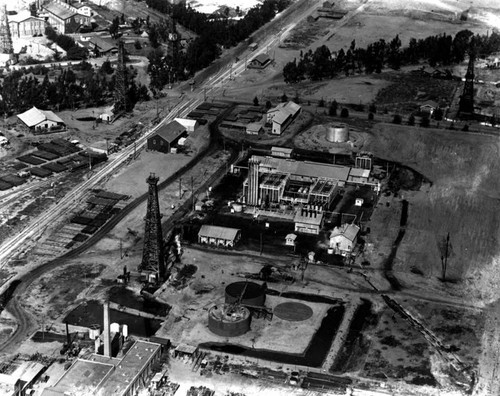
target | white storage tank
[
  {"x": 94, "y": 331},
  {"x": 337, "y": 133},
  {"x": 115, "y": 327},
  {"x": 125, "y": 330}
]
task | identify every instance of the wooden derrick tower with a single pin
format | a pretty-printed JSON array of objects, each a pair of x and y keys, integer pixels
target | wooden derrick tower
[
  {"x": 6, "y": 46},
  {"x": 153, "y": 260},
  {"x": 120, "y": 92},
  {"x": 466, "y": 104}
]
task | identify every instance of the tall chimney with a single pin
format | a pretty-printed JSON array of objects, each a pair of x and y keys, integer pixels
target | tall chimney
[
  {"x": 107, "y": 336},
  {"x": 68, "y": 338}
]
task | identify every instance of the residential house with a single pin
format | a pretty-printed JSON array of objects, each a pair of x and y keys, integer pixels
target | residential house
[
  {"x": 102, "y": 47},
  {"x": 428, "y": 107},
  {"x": 343, "y": 239},
  {"x": 166, "y": 137},
  {"x": 261, "y": 61},
  {"x": 36, "y": 119},
  {"x": 219, "y": 236}
]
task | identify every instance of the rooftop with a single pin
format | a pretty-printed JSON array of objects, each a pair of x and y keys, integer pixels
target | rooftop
[
  {"x": 171, "y": 131},
  {"x": 349, "y": 231},
  {"x": 212, "y": 231},
  {"x": 35, "y": 116},
  {"x": 59, "y": 10},
  {"x": 308, "y": 217}
]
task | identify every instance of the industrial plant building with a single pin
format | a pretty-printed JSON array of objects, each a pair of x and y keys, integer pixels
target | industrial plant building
[
  {"x": 343, "y": 239},
  {"x": 282, "y": 116},
  {"x": 101, "y": 375}
]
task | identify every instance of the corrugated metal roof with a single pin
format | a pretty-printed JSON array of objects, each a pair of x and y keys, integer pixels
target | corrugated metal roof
[
  {"x": 349, "y": 231},
  {"x": 212, "y": 231},
  {"x": 59, "y": 10},
  {"x": 35, "y": 116},
  {"x": 187, "y": 122},
  {"x": 285, "y": 150}
]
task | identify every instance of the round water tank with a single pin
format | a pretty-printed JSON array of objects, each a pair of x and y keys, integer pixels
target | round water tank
[
  {"x": 114, "y": 328},
  {"x": 125, "y": 330},
  {"x": 229, "y": 320},
  {"x": 254, "y": 294},
  {"x": 94, "y": 331},
  {"x": 337, "y": 133}
]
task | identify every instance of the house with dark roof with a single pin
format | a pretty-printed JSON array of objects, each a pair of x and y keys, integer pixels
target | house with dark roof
[
  {"x": 260, "y": 62},
  {"x": 166, "y": 137},
  {"x": 64, "y": 18},
  {"x": 100, "y": 46}
]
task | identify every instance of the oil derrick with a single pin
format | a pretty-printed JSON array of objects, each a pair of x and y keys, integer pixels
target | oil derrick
[
  {"x": 120, "y": 82},
  {"x": 466, "y": 104},
  {"x": 6, "y": 46},
  {"x": 153, "y": 260}
]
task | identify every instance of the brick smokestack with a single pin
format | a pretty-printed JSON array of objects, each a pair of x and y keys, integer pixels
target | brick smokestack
[{"x": 107, "y": 335}]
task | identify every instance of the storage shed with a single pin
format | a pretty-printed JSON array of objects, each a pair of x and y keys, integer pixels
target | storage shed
[
  {"x": 343, "y": 238},
  {"x": 36, "y": 119},
  {"x": 219, "y": 236}
]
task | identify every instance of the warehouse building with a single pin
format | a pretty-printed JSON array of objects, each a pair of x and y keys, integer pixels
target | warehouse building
[
  {"x": 167, "y": 137},
  {"x": 36, "y": 119},
  {"x": 219, "y": 236}
]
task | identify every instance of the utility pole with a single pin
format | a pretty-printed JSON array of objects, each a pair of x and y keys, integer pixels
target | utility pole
[{"x": 180, "y": 188}]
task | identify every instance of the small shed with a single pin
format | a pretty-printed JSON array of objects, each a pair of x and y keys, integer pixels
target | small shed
[
  {"x": 185, "y": 351},
  {"x": 187, "y": 123},
  {"x": 282, "y": 152},
  {"x": 219, "y": 236},
  {"x": 428, "y": 107},
  {"x": 290, "y": 239},
  {"x": 359, "y": 202},
  {"x": 261, "y": 61},
  {"x": 254, "y": 128},
  {"x": 166, "y": 137},
  {"x": 343, "y": 238}
]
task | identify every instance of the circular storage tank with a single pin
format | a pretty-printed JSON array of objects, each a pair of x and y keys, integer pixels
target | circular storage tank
[
  {"x": 114, "y": 328},
  {"x": 337, "y": 133},
  {"x": 254, "y": 294},
  {"x": 125, "y": 330},
  {"x": 94, "y": 331},
  {"x": 227, "y": 320}
]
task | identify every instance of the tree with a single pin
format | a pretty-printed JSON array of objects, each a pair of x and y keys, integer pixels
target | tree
[
  {"x": 371, "y": 116},
  {"x": 284, "y": 98},
  {"x": 256, "y": 101},
  {"x": 397, "y": 119},
  {"x": 268, "y": 104},
  {"x": 137, "y": 45},
  {"x": 465, "y": 128},
  {"x": 411, "y": 120},
  {"x": 445, "y": 249},
  {"x": 437, "y": 114},
  {"x": 344, "y": 113},
  {"x": 321, "y": 103},
  {"x": 372, "y": 108},
  {"x": 332, "y": 110},
  {"x": 114, "y": 28},
  {"x": 425, "y": 122}
]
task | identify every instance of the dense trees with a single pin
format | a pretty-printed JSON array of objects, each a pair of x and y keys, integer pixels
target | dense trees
[
  {"x": 437, "y": 50},
  {"x": 74, "y": 52},
  {"x": 214, "y": 31},
  {"x": 83, "y": 86}
]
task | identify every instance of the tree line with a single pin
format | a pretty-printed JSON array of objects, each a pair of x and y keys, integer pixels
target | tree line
[
  {"x": 214, "y": 33},
  {"x": 67, "y": 43},
  {"x": 20, "y": 90},
  {"x": 437, "y": 50}
]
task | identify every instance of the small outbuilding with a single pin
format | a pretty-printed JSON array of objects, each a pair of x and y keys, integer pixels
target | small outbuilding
[
  {"x": 166, "y": 137},
  {"x": 254, "y": 128},
  {"x": 308, "y": 221},
  {"x": 187, "y": 123},
  {"x": 290, "y": 239},
  {"x": 282, "y": 152},
  {"x": 429, "y": 107},
  {"x": 36, "y": 119},
  {"x": 219, "y": 236},
  {"x": 261, "y": 61},
  {"x": 343, "y": 239}
]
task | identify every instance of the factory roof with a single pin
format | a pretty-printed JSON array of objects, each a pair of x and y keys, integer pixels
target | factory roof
[
  {"x": 359, "y": 172},
  {"x": 105, "y": 376},
  {"x": 304, "y": 168},
  {"x": 308, "y": 217},
  {"x": 35, "y": 116},
  {"x": 132, "y": 364},
  {"x": 212, "y": 231},
  {"x": 284, "y": 150},
  {"x": 59, "y": 10},
  {"x": 281, "y": 117},
  {"x": 349, "y": 231}
]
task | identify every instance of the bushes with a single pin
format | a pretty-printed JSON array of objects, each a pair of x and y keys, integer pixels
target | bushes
[{"x": 344, "y": 113}]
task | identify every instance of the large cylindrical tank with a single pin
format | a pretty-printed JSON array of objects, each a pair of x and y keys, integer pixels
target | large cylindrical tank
[
  {"x": 254, "y": 294},
  {"x": 114, "y": 328},
  {"x": 229, "y": 320},
  {"x": 337, "y": 133},
  {"x": 94, "y": 331}
]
